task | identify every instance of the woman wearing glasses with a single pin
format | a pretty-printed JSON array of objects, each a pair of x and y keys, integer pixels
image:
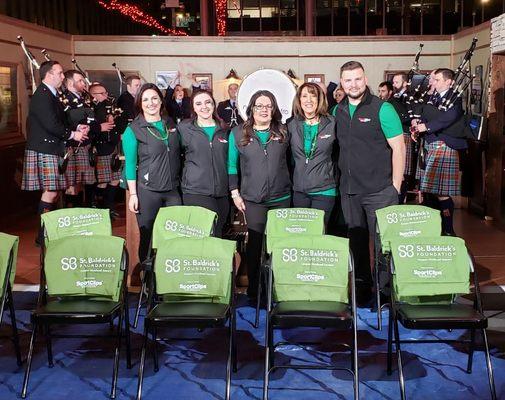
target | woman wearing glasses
[
  {"x": 258, "y": 149},
  {"x": 152, "y": 162},
  {"x": 313, "y": 141},
  {"x": 204, "y": 141}
]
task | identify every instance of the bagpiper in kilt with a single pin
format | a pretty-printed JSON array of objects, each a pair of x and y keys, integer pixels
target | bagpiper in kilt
[
  {"x": 444, "y": 135},
  {"x": 392, "y": 93},
  {"x": 78, "y": 109},
  {"x": 45, "y": 144},
  {"x": 106, "y": 147}
]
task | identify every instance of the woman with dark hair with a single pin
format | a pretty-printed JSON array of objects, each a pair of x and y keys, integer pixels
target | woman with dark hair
[
  {"x": 177, "y": 103},
  {"x": 313, "y": 142},
  {"x": 204, "y": 142},
  {"x": 259, "y": 148},
  {"x": 152, "y": 162}
]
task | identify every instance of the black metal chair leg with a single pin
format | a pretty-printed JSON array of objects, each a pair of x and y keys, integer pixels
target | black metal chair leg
[
  {"x": 155, "y": 350},
  {"x": 470, "y": 351},
  {"x": 267, "y": 356},
  {"x": 141, "y": 365},
  {"x": 49, "y": 346},
  {"x": 29, "y": 361},
  {"x": 143, "y": 288},
  {"x": 234, "y": 340},
  {"x": 390, "y": 343},
  {"x": 115, "y": 371},
  {"x": 489, "y": 366},
  {"x": 399, "y": 357},
  {"x": 355, "y": 361},
  {"x": 229, "y": 362},
  {"x": 271, "y": 347},
  {"x": 15, "y": 335},
  {"x": 127, "y": 332}
]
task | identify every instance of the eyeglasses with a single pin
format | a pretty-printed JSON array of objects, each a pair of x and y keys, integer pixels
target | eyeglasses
[{"x": 259, "y": 107}]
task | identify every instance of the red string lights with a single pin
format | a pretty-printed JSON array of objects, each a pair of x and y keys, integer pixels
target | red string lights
[
  {"x": 221, "y": 16},
  {"x": 137, "y": 15}
]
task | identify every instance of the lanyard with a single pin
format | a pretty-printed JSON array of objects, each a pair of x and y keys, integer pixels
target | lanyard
[{"x": 313, "y": 142}]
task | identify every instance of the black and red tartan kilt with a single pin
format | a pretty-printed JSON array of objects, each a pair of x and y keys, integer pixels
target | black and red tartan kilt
[
  {"x": 78, "y": 170},
  {"x": 408, "y": 154},
  {"x": 441, "y": 175},
  {"x": 40, "y": 172},
  {"x": 104, "y": 172}
]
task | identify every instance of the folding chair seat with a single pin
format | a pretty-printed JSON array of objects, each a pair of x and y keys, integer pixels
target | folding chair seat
[
  {"x": 287, "y": 222},
  {"x": 192, "y": 287},
  {"x": 8, "y": 257},
  {"x": 309, "y": 282},
  {"x": 174, "y": 222},
  {"x": 400, "y": 221},
  {"x": 323, "y": 314},
  {"x": 84, "y": 282},
  {"x": 427, "y": 276}
]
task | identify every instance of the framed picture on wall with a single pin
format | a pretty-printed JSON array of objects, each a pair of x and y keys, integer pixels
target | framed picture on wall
[
  {"x": 10, "y": 126},
  {"x": 163, "y": 78},
  {"x": 110, "y": 80},
  {"x": 314, "y": 78},
  {"x": 204, "y": 80}
]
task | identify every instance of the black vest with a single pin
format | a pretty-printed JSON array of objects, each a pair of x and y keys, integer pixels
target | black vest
[
  {"x": 205, "y": 163},
  {"x": 158, "y": 164},
  {"x": 365, "y": 156},
  {"x": 318, "y": 172},
  {"x": 264, "y": 173}
]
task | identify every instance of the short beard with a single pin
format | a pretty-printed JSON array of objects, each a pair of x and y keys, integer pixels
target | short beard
[{"x": 356, "y": 96}]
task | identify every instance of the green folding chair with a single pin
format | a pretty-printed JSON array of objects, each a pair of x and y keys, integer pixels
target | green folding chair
[
  {"x": 400, "y": 221},
  {"x": 174, "y": 222},
  {"x": 310, "y": 284},
  {"x": 193, "y": 287},
  {"x": 427, "y": 276},
  {"x": 84, "y": 283},
  {"x": 8, "y": 257},
  {"x": 78, "y": 221},
  {"x": 283, "y": 223}
]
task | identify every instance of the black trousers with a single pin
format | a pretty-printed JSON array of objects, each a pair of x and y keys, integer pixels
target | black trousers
[
  {"x": 149, "y": 204},
  {"x": 324, "y": 203},
  {"x": 220, "y": 205},
  {"x": 359, "y": 213},
  {"x": 256, "y": 215}
]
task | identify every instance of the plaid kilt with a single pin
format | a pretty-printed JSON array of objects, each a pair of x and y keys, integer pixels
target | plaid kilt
[
  {"x": 40, "y": 172},
  {"x": 408, "y": 154},
  {"x": 441, "y": 175},
  {"x": 78, "y": 170},
  {"x": 104, "y": 172}
]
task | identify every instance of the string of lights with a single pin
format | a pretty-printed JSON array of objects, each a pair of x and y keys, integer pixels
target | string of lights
[
  {"x": 221, "y": 16},
  {"x": 137, "y": 15}
]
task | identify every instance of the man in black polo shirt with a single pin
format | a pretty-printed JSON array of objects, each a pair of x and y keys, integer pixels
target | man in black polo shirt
[{"x": 371, "y": 162}]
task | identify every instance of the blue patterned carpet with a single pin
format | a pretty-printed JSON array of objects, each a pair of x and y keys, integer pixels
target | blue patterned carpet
[{"x": 195, "y": 369}]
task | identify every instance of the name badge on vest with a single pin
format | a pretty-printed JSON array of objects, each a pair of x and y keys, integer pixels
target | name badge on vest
[
  {"x": 172, "y": 130},
  {"x": 221, "y": 140},
  {"x": 324, "y": 136},
  {"x": 361, "y": 119}
]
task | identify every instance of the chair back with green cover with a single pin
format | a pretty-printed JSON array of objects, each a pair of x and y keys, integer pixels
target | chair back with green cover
[
  {"x": 76, "y": 222},
  {"x": 182, "y": 221},
  {"x": 406, "y": 221},
  {"x": 311, "y": 268},
  {"x": 85, "y": 266},
  {"x": 8, "y": 257},
  {"x": 283, "y": 222},
  {"x": 195, "y": 269},
  {"x": 430, "y": 269}
]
